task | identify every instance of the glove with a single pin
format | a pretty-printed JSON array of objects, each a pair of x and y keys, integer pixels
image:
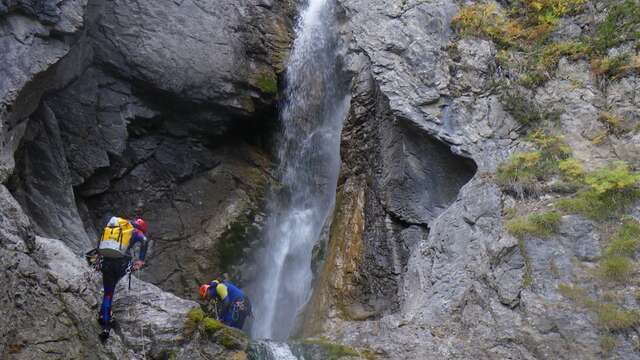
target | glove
[{"x": 138, "y": 264}]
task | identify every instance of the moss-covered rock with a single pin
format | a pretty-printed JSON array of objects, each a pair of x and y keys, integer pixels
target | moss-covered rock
[
  {"x": 266, "y": 81},
  {"x": 320, "y": 348}
]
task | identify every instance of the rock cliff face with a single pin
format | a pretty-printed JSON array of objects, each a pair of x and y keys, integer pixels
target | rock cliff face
[
  {"x": 153, "y": 109},
  {"x": 424, "y": 258}
]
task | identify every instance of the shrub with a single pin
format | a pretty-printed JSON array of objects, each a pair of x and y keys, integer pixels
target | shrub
[
  {"x": 621, "y": 24},
  {"x": 614, "y": 179},
  {"x": 520, "y": 172},
  {"x": 486, "y": 20},
  {"x": 572, "y": 169},
  {"x": 551, "y": 54},
  {"x": 538, "y": 225},
  {"x": 609, "y": 316},
  {"x": 626, "y": 241},
  {"x": 553, "y": 147},
  {"x": 523, "y": 171},
  {"x": 613, "y": 67},
  {"x": 607, "y": 343},
  {"x": 615, "y": 125},
  {"x": 523, "y": 110},
  {"x": 609, "y": 190},
  {"x": 612, "y": 318},
  {"x": 617, "y": 268}
]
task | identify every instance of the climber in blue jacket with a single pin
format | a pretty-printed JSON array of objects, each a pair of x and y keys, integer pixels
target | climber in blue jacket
[{"x": 235, "y": 306}]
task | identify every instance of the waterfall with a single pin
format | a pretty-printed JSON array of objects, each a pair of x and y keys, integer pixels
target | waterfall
[{"x": 314, "y": 105}]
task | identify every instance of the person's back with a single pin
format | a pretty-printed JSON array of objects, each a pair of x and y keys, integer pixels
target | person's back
[{"x": 235, "y": 293}]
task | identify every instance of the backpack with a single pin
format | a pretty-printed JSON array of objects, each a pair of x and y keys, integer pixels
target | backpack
[{"x": 116, "y": 237}]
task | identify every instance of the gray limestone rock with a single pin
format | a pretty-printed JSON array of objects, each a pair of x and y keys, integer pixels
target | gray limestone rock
[
  {"x": 225, "y": 52},
  {"x": 42, "y": 182}
]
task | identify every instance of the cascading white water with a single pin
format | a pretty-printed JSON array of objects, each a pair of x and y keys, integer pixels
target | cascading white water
[{"x": 313, "y": 109}]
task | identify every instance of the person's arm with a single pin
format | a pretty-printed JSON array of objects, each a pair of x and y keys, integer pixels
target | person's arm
[{"x": 139, "y": 237}]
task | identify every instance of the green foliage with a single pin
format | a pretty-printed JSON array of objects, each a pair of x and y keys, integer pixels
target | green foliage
[
  {"x": 610, "y": 317},
  {"x": 552, "y": 149},
  {"x": 551, "y": 54},
  {"x": 572, "y": 169},
  {"x": 527, "y": 277},
  {"x": 607, "y": 343},
  {"x": 613, "y": 179},
  {"x": 486, "y": 20},
  {"x": 523, "y": 172},
  {"x": 616, "y": 268},
  {"x": 615, "y": 124},
  {"x": 523, "y": 110},
  {"x": 231, "y": 338},
  {"x": 210, "y": 325},
  {"x": 621, "y": 24},
  {"x": 520, "y": 172},
  {"x": 613, "y": 67},
  {"x": 626, "y": 241},
  {"x": 194, "y": 318},
  {"x": 609, "y": 191},
  {"x": 538, "y": 225}
]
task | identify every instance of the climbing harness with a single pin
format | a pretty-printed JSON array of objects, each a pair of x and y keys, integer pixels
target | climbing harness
[
  {"x": 212, "y": 309},
  {"x": 94, "y": 259}
]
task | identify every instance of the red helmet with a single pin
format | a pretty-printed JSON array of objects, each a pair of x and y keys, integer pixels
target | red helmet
[
  {"x": 204, "y": 290},
  {"x": 141, "y": 225}
]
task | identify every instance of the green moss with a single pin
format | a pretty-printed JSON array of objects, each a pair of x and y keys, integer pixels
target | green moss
[
  {"x": 168, "y": 355},
  {"x": 210, "y": 325},
  {"x": 267, "y": 83},
  {"x": 538, "y": 225},
  {"x": 194, "y": 318},
  {"x": 231, "y": 338}
]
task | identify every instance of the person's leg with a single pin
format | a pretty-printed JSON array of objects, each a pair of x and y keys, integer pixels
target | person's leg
[
  {"x": 244, "y": 310},
  {"x": 113, "y": 271},
  {"x": 109, "y": 282}
]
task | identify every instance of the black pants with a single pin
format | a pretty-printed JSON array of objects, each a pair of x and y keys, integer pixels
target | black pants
[{"x": 113, "y": 269}]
